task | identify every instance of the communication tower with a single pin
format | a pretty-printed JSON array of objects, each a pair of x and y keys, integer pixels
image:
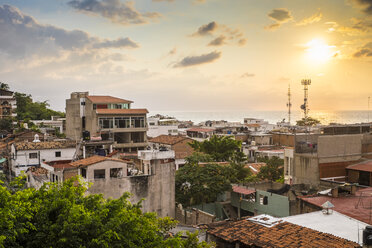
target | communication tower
[
  {"x": 289, "y": 104},
  {"x": 305, "y": 106}
]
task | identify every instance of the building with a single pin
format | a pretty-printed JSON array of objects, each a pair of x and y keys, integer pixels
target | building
[
  {"x": 50, "y": 126},
  {"x": 268, "y": 231},
  {"x": 28, "y": 154},
  {"x": 108, "y": 118},
  {"x": 8, "y": 104},
  {"x": 199, "y": 133},
  {"x": 360, "y": 173},
  {"x": 158, "y": 126},
  {"x": 179, "y": 144},
  {"x": 320, "y": 157}
]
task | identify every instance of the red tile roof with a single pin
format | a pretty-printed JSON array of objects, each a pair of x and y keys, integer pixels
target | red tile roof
[
  {"x": 255, "y": 167},
  {"x": 93, "y": 160},
  {"x": 201, "y": 130},
  {"x": 363, "y": 166},
  {"x": 169, "y": 139},
  {"x": 107, "y": 99},
  {"x": 355, "y": 206},
  {"x": 122, "y": 111},
  {"x": 242, "y": 190},
  {"x": 284, "y": 234}
]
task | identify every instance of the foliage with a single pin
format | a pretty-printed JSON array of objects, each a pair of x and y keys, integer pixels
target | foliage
[
  {"x": 27, "y": 109},
  {"x": 4, "y": 86},
  {"x": 62, "y": 216},
  {"x": 201, "y": 183},
  {"x": 221, "y": 149},
  {"x": 273, "y": 170},
  {"x": 6, "y": 124},
  {"x": 307, "y": 122}
]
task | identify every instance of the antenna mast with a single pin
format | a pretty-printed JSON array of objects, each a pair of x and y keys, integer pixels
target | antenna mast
[
  {"x": 289, "y": 104},
  {"x": 305, "y": 106},
  {"x": 368, "y": 107}
]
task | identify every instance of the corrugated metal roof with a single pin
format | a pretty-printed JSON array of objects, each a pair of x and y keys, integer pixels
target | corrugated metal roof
[{"x": 242, "y": 190}]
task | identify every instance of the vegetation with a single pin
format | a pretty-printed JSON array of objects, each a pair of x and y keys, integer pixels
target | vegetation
[
  {"x": 273, "y": 170},
  {"x": 27, "y": 109},
  {"x": 6, "y": 124},
  {"x": 62, "y": 216},
  {"x": 201, "y": 183},
  {"x": 307, "y": 122}
]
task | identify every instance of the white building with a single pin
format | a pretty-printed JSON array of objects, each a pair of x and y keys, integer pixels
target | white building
[
  {"x": 157, "y": 126},
  {"x": 27, "y": 154}
]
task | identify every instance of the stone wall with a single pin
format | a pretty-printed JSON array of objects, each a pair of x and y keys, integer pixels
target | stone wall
[{"x": 193, "y": 216}]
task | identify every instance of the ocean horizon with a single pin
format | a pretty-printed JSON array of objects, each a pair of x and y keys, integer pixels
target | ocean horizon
[{"x": 324, "y": 116}]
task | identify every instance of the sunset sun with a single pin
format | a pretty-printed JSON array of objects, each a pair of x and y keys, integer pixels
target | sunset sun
[{"x": 317, "y": 51}]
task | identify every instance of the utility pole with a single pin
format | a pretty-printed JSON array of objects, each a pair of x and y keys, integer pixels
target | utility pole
[{"x": 368, "y": 107}]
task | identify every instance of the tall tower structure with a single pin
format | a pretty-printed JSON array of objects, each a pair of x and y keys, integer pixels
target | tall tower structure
[
  {"x": 289, "y": 104},
  {"x": 305, "y": 106}
]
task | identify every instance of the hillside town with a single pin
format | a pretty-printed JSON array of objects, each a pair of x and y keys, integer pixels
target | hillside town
[{"x": 284, "y": 185}]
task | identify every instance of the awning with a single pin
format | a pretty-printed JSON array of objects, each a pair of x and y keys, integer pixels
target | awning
[{"x": 243, "y": 191}]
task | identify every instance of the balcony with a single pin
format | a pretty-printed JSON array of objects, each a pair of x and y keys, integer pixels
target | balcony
[{"x": 130, "y": 145}]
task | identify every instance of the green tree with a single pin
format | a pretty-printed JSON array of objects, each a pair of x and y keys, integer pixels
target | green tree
[
  {"x": 63, "y": 216},
  {"x": 309, "y": 121},
  {"x": 27, "y": 109},
  {"x": 197, "y": 184},
  {"x": 4, "y": 86},
  {"x": 6, "y": 124},
  {"x": 220, "y": 148},
  {"x": 273, "y": 170}
]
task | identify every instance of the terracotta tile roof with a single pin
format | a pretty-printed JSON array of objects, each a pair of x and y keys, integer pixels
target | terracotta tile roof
[
  {"x": 107, "y": 99},
  {"x": 355, "y": 206},
  {"x": 255, "y": 167},
  {"x": 168, "y": 139},
  {"x": 199, "y": 129},
  {"x": 364, "y": 166},
  {"x": 284, "y": 234},
  {"x": 44, "y": 145},
  {"x": 122, "y": 111},
  {"x": 93, "y": 160},
  {"x": 242, "y": 190}
]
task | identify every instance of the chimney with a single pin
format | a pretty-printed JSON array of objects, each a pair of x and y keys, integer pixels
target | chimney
[
  {"x": 353, "y": 189},
  {"x": 367, "y": 237},
  {"x": 334, "y": 192}
]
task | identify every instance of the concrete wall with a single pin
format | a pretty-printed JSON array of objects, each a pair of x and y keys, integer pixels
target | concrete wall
[
  {"x": 157, "y": 189},
  {"x": 305, "y": 169},
  {"x": 339, "y": 148},
  {"x": 193, "y": 216},
  {"x": 283, "y": 139},
  {"x": 277, "y": 206}
]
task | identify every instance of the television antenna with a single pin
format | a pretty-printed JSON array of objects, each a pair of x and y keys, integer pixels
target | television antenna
[{"x": 289, "y": 104}]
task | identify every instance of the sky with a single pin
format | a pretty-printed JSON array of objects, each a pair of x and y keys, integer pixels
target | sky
[{"x": 190, "y": 55}]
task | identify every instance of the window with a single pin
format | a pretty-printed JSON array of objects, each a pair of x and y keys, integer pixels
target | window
[
  {"x": 94, "y": 106},
  {"x": 263, "y": 200},
  {"x": 58, "y": 154},
  {"x": 118, "y": 106},
  {"x": 122, "y": 122},
  {"x": 138, "y": 121},
  {"x": 116, "y": 172},
  {"x": 99, "y": 174},
  {"x": 106, "y": 122},
  {"x": 84, "y": 172},
  {"x": 32, "y": 155}
]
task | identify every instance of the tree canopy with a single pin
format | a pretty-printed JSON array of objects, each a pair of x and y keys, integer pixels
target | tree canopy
[
  {"x": 221, "y": 149},
  {"x": 203, "y": 178},
  {"x": 62, "y": 216},
  {"x": 273, "y": 170},
  {"x": 29, "y": 110},
  {"x": 309, "y": 121}
]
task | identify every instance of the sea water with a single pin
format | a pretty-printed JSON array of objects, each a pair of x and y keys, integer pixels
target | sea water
[{"x": 325, "y": 117}]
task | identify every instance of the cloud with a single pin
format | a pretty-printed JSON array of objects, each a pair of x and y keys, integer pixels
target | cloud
[
  {"x": 116, "y": 11},
  {"x": 358, "y": 27},
  {"x": 206, "y": 29},
  {"x": 21, "y": 36},
  {"x": 365, "y": 51},
  {"x": 247, "y": 74},
  {"x": 365, "y": 5},
  {"x": 312, "y": 19},
  {"x": 242, "y": 42},
  {"x": 280, "y": 16},
  {"x": 173, "y": 51},
  {"x": 219, "y": 41},
  {"x": 198, "y": 60}
]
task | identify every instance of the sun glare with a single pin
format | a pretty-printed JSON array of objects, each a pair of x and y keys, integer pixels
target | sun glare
[{"x": 317, "y": 51}]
